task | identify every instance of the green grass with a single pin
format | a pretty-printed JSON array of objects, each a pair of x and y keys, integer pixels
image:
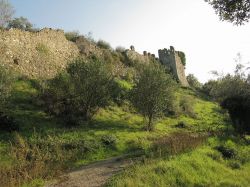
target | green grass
[
  {"x": 120, "y": 123},
  {"x": 201, "y": 167}
]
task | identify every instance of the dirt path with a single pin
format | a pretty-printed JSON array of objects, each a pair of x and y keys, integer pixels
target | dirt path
[{"x": 93, "y": 175}]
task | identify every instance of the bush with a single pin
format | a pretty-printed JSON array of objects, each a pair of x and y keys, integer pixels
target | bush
[
  {"x": 7, "y": 123},
  {"x": 72, "y": 36},
  {"x": 109, "y": 140},
  {"x": 104, "y": 45},
  {"x": 80, "y": 91},
  {"x": 226, "y": 152},
  {"x": 233, "y": 93},
  {"x": 181, "y": 125},
  {"x": 193, "y": 82},
  {"x": 187, "y": 105},
  {"x": 153, "y": 92}
]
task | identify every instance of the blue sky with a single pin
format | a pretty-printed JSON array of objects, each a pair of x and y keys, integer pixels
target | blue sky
[{"x": 188, "y": 25}]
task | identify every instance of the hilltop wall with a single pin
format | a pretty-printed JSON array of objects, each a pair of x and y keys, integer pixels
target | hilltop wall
[{"x": 36, "y": 54}]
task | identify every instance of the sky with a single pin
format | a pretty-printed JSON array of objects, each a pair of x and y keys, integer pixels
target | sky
[{"x": 190, "y": 26}]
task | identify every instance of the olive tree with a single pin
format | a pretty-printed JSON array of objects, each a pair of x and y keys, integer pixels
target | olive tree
[
  {"x": 20, "y": 23},
  {"x": 235, "y": 11},
  {"x": 153, "y": 92},
  {"x": 6, "y": 12},
  {"x": 80, "y": 91}
]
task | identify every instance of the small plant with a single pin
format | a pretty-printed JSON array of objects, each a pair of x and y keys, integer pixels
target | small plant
[
  {"x": 42, "y": 49},
  {"x": 109, "y": 140},
  {"x": 226, "y": 152},
  {"x": 104, "y": 45},
  {"x": 181, "y": 125},
  {"x": 7, "y": 123},
  {"x": 72, "y": 36}
]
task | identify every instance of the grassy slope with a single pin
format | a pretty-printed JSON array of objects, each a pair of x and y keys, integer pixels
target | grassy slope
[{"x": 115, "y": 121}]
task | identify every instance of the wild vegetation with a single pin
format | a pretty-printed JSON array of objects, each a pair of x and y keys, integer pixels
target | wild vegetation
[{"x": 104, "y": 104}]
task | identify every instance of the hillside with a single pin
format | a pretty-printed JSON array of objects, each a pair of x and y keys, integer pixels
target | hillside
[{"x": 193, "y": 142}]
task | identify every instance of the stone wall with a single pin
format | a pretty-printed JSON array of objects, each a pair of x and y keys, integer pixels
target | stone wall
[
  {"x": 171, "y": 59},
  {"x": 37, "y": 55}
]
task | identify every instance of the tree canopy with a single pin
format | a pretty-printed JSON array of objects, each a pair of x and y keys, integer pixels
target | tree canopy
[
  {"x": 235, "y": 11},
  {"x": 6, "y": 12}
]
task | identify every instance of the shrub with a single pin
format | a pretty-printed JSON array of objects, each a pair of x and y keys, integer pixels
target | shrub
[
  {"x": 7, "y": 123},
  {"x": 109, "y": 140},
  {"x": 120, "y": 49},
  {"x": 153, "y": 93},
  {"x": 233, "y": 93},
  {"x": 226, "y": 152},
  {"x": 72, "y": 36},
  {"x": 187, "y": 105},
  {"x": 193, "y": 82},
  {"x": 181, "y": 125},
  {"x": 103, "y": 44},
  {"x": 78, "y": 93}
]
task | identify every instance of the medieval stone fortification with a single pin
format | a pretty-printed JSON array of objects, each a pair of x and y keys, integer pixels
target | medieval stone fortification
[
  {"x": 36, "y": 54},
  {"x": 42, "y": 54},
  {"x": 171, "y": 59}
]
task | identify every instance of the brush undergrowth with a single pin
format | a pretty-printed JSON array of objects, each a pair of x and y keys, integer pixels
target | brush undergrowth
[{"x": 43, "y": 148}]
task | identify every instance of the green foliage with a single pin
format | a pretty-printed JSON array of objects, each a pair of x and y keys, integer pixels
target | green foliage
[
  {"x": 183, "y": 57},
  {"x": 237, "y": 11},
  {"x": 233, "y": 92},
  {"x": 193, "y": 82},
  {"x": 72, "y": 36},
  {"x": 153, "y": 92},
  {"x": 6, "y": 12},
  {"x": 104, "y": 45},
  {"x": 20, "y": 23},
  {"x": 208, "y": 87},
  {"x": 120, "y": 49},
  {"x": 187, "y": 105},
  {"x": 201, "y": 167},
  {"x": 79, "y": 92}
]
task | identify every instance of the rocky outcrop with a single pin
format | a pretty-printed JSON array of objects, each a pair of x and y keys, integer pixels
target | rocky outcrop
[
  {"x": 171, "y": 59},
  {"x": 36, "y": 54}
]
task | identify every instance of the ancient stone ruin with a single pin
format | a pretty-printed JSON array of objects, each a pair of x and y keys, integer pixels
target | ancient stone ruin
[{"x": 171, "y": 59}]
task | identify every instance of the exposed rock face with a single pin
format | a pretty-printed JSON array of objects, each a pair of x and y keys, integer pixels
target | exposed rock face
[
  {"x": 37, "y": 55},
  {"x": 171, "y": 59}
]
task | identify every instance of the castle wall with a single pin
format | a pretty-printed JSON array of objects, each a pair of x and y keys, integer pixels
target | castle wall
[
  {"x": 171, "y": 59},
  {"x": 37, "y": 55}
]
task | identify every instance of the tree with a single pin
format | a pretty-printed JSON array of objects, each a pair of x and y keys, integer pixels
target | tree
[
  {"x": 193, "y": 81},
  {"x": 233, "y": 93},
  {"x": 80, "y": 91},
  {"x": 235, "y": 11},
  {"x": 20, "y": 23},
  {"x": 6, "y": 12},
  {"x": 153, "y": 93}
]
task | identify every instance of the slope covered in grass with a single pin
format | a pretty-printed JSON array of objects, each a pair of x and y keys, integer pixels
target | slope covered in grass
[{"x": 115, "y": 130}]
